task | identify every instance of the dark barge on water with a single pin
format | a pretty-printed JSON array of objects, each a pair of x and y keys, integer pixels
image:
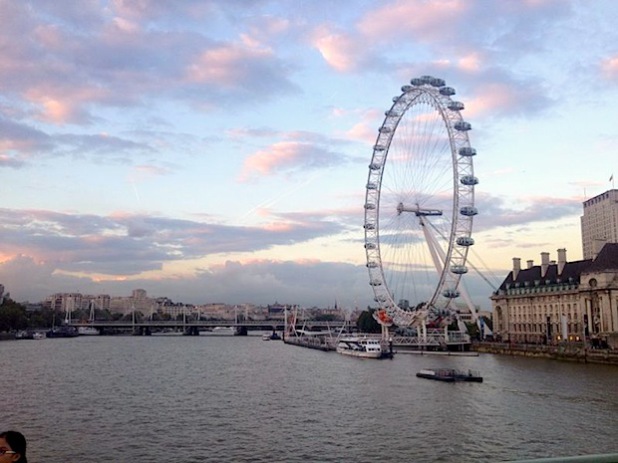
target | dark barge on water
[{"x": 450, "y": 375}]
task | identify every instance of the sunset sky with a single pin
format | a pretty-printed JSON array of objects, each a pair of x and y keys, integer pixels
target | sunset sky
[{"x": 217, "y": 150}]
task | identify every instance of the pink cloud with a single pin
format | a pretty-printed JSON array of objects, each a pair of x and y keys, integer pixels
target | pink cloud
[
  {"x": 225, "y": 65},
  {"x": 609, "y": 67},
  {"x": 289, "y": 157},
  {"x": 363, "y": 132},
  {"x": 471, "y": 62},
  {"x": 278, "y": 227},
  {"x": 496, "y": 97},
  {"x": 60, "y": 103},
  {"x": 280, "y": 155},
  {"x": 367, "y": 129},
  {"x": 340, "y": 51},
  {"x": 433, "y": 19}
]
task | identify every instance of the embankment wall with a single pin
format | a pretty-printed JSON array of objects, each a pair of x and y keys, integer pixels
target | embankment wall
[{"x": 570, "y": 353}]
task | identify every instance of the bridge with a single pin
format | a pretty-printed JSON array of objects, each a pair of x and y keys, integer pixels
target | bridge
[{"x": 193, "y": 327}]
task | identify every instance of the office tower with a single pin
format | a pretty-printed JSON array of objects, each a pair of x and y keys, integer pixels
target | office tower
[{"x": 599, "y": 223}]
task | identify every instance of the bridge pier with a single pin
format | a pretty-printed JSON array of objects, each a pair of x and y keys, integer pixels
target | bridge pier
[
  {"x": 142, "y": 331},
  {"x": 241, "y": 331},
  {"x": 192, "y": 331}
]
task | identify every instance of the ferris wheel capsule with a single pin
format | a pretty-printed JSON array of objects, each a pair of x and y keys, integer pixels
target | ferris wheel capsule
[
  {"x": 469, "y": 180},
  {"x": 467, "y": 151}
]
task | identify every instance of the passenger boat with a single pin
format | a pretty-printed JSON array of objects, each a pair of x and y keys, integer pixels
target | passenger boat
[
  {"x": 360, "y": 347},
  {"x": 223, "y": 330},
  {"x": 62, "y": 332},
  {"x": 87, "y": 331},
  {"x": 450, "y": 375},
  {"x": 271, "y": 337}
]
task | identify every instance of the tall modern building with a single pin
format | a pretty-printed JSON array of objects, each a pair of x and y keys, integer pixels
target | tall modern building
[{"x": 599, "y": 222}]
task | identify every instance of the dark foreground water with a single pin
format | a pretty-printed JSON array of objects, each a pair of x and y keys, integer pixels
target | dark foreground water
[{"x": 235, "y": 399}]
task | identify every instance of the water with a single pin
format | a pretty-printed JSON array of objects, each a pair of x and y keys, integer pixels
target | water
[{"x": 240, "y": 399}]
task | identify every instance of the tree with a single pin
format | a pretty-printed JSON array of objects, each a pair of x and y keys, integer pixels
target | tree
[
  {"x": 366, "y": 323},
  {"x": 41, "y": 318},
  {"x": 12, "y": 316}
]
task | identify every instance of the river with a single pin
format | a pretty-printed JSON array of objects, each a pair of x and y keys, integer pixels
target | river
[{"x": 241, "y": 399}]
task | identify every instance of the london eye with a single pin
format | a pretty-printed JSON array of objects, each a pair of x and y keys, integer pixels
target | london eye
[{"x": 419, "y": 205}]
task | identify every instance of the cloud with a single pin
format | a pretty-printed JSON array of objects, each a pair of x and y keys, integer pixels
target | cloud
[
  {"x": 432, "y": 21},
  {"x": 246, "y": 67},
  {"x": 21, "y": 143},
  {"x": 496, "y": 212},
  {"x": 288, "y": 157},
  {"x": 609, "y": 68},
  {"x": 18, "y": 137},
  {"x": 99, "y": 58},
  {"x": 341, "y": 51},
  {"x": 308, "y": 283},
  {"x": 124, "y": 244}
]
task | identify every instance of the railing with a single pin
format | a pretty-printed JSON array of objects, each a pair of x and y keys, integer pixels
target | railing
[{"x": 604, "y": 458}]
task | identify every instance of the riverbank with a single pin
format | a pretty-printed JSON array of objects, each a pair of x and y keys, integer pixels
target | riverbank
[{"x": 564, "y": 352}]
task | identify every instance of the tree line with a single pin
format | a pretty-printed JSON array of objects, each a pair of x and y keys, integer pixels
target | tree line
[{"x": 15, "y": 317}]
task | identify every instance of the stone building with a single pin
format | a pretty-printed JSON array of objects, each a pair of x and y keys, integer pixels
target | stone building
[
  {"x": 560, "y": 301},
  {"x": 599, "y": 224}
]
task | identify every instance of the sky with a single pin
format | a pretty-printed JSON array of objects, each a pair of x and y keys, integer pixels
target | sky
[{"x": 218, "y": 150}]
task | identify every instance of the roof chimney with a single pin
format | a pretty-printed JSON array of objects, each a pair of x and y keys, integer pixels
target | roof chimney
[
  {"x": 544, "y": 263},
  {"x": 516, "y": 267},
  {"x": 530, "y": 263},
  {"x": 561, "y": 260}
]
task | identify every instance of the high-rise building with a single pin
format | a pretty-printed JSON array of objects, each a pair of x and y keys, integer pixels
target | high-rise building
[{"x": 599, "y": 223}]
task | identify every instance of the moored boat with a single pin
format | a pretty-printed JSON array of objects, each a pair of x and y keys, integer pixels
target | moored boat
[
  {"x": 29, "y": 334},
  {"x": 450, "y": 375},
  {"x": 87, "y": 331},
  {"x": 62, "y": 332},
  {"x": 360, "y": 347},
  {"x": 223, "y": 330},
  {"x": 274, "y": 336}
]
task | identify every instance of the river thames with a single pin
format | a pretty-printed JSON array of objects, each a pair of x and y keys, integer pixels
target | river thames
[{"x": 241, "y": 399}]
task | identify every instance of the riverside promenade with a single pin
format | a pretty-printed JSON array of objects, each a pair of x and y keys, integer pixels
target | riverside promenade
[{"x": 570, "y": 352}]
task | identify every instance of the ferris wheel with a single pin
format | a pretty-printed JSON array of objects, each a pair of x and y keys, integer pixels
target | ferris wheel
[{"x": 419, "y": 205}]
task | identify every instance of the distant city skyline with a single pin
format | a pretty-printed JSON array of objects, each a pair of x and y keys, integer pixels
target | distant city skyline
[{"x": 218, "y": 151}]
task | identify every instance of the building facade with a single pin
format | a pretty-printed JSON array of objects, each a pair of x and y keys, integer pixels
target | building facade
[
  {"x": 560, "y": 301},
  {"x": 599, "y": 224}
]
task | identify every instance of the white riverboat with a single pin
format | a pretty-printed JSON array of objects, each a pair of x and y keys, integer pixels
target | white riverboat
[
  {"x": 87, "y": 331},
  {"x": 360, "y": 347}
]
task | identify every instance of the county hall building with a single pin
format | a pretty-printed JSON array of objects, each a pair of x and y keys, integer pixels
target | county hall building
[{"x": 560, "y": 301}]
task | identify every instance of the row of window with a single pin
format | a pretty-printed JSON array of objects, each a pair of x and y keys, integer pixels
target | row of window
[{"x": 536, "y": 328}]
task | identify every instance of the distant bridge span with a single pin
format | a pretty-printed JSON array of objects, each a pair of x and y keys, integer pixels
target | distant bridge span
[{"x": 194, "y": 327}]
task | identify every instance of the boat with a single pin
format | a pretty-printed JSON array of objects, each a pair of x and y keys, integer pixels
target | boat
[
  {"x": 62, "y": 332},
  {"x": 450, "y": 375},
  {"x": 360, "y": 347},
  {"x": 223, "y": 330},
  {"x": 87, "y": 331},
  {"x": 271, "y": 337},
  {"x": 28, "y": 334}
]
